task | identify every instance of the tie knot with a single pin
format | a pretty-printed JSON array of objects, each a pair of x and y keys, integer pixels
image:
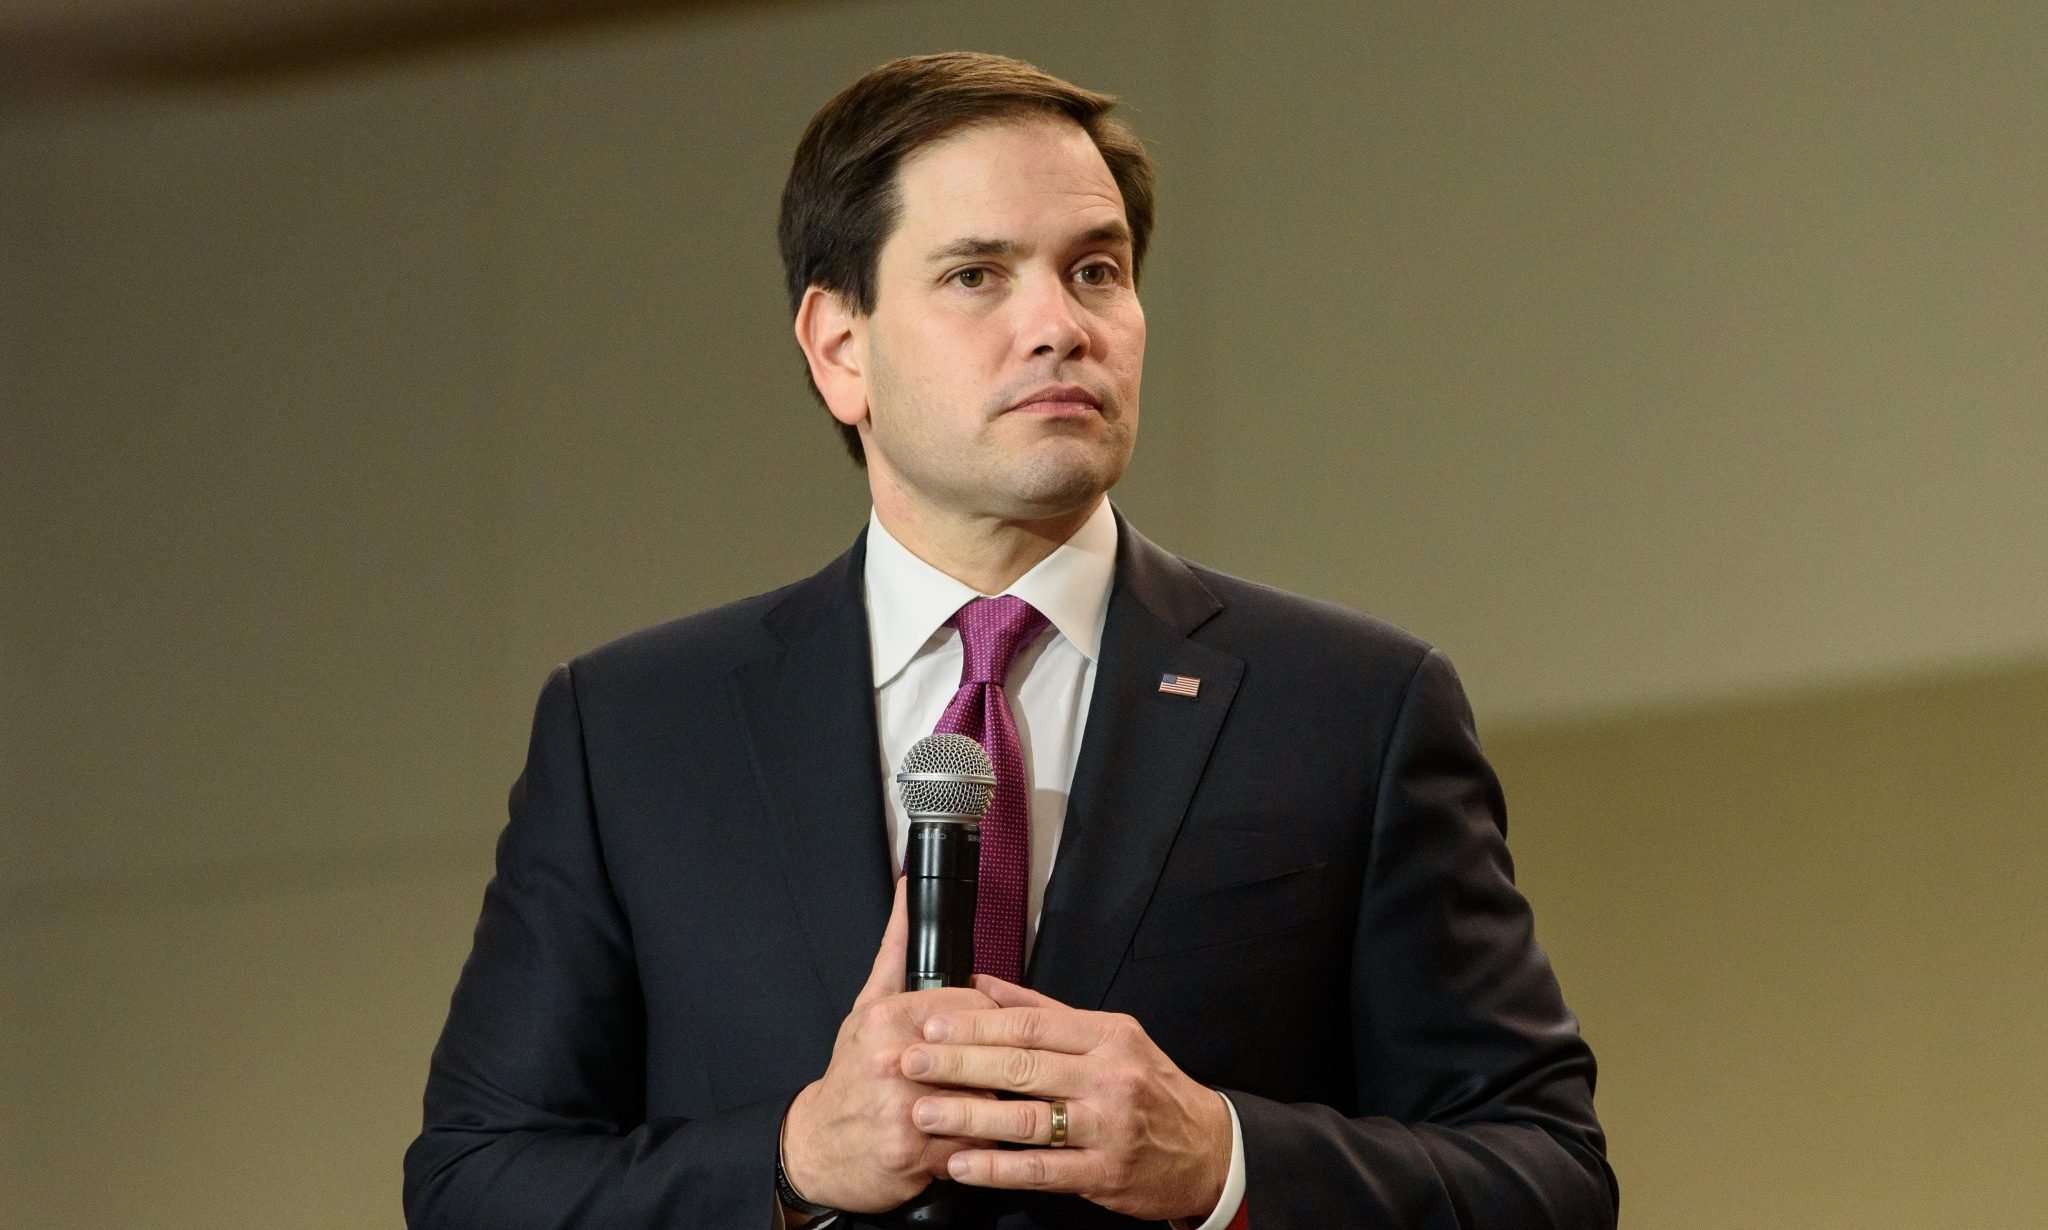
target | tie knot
[{"x": 992, "y": 630}]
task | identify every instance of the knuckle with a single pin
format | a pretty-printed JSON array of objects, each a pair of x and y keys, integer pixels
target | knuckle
[
  {"x": 1032, "y": 1166},
  {"x": 1118, "y": 1174},
  {"x": 1019, "y": 1068},
  {"x": 975, "y": 1120},
  {"x": 1024, "y": 1120},
  {"x": 868, "y": 1020},
  {"x": 1125, "y": 1084},
  {"x": 897, "y": 1154}
]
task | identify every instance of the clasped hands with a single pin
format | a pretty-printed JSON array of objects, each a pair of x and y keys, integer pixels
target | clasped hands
[{"x": 911, "y": 1092}]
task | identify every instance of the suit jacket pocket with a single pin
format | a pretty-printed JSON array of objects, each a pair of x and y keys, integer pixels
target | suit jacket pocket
[{"x": 1234, "y": 912}]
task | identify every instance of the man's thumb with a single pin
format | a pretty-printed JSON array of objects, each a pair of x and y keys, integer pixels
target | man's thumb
[{"x": 887, "y": 976}]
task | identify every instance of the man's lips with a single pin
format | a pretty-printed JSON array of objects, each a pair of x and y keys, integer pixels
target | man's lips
[{"x": 1061, "y": 399}]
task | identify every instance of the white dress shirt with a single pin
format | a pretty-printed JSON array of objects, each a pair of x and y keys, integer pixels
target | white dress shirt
[
  {"x": 917, "y": 670},
  {"x": 916, "y": 661}
]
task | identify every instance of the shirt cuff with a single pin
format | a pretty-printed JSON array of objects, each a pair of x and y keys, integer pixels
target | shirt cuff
[{"x": 1232, "y": 1200}]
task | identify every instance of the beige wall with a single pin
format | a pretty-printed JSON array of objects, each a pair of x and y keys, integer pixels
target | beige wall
[
  {"x": 1804, "y": 939},
  {"x": 1679, "y": 371}
]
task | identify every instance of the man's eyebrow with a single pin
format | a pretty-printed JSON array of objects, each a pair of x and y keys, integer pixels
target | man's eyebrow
[
  {"x": 1109, "y": 233},
  {"x": 971, "y": 248}
]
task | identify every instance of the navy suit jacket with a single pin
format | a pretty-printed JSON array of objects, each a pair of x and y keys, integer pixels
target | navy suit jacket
[{"x": 1297, "y": 881}]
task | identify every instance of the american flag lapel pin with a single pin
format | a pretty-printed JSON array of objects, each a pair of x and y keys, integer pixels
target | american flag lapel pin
[{"x": 1180, "y": 685}]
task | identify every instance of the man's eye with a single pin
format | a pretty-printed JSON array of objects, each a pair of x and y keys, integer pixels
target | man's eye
[
  {"x": 1096, "y": 275},
  {"x": 971, "y": 278}
]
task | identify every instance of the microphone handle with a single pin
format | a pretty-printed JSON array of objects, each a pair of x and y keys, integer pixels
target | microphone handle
[{"x": 942, "y": 863}]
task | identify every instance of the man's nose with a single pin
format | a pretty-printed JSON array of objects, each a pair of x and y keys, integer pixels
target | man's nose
[{"x": 1052, "y": 323}]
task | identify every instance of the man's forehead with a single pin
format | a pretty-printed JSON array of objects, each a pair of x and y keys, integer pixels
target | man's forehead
[{"x": 972, "y": 187}]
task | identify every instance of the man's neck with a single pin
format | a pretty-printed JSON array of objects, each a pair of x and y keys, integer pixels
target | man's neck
[{"x": 986, "y": 554}]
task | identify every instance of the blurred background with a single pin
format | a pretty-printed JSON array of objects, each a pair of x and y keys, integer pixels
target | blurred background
[{"x": 1679, "y": 369}]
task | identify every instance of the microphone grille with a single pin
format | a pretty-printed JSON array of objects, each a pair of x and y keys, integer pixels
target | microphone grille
[{"x": 946, "y": 775}]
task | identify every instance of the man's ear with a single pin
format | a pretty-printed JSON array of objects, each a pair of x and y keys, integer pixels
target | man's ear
[{"x": 834, "y": 341}]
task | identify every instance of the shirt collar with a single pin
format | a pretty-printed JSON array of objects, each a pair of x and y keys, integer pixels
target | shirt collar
[{"x": 909, "y": 601}]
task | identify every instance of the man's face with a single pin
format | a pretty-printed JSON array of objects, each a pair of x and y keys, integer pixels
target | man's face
[{"x": 1003, "y": 357}]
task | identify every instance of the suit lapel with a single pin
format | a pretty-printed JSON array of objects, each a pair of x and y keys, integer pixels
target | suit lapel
[
  {"x": 1141, "y": 757},
  {"x": 810, "y": 719}
]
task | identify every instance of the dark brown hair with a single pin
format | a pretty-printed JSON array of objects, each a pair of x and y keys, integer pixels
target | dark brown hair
[{"x": 841, "y": 202}]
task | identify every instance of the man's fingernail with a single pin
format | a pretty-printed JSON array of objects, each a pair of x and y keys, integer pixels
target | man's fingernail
[
  {"x": 925, "y": 1115},
  {"x": 917, "y": 1063},
  {"x": 936, "y": 1030},
  {"x": 956, "y": 1166}
]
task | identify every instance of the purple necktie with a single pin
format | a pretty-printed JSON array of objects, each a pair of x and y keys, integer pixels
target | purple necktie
[{"x": 992, "y": 630}]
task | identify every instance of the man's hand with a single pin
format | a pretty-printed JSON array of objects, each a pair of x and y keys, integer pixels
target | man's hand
[
  {"x": 1142, "y": 1137},
  {"x": 847, "y": 1141}
]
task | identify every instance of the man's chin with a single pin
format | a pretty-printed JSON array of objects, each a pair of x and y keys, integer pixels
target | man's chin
[{"x": 1049, "y": 492}]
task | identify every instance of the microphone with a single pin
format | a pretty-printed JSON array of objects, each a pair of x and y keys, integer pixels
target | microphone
[{"x": 946, "y": 783}]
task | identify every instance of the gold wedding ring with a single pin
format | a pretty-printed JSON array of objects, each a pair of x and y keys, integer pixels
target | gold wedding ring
[{"x": 1059, "y": 1125}]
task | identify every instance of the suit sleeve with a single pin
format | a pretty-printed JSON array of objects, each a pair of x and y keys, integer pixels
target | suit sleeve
[
  {"x": 1474, "y": 1089},
  {"x": 534, "y": 1109}
]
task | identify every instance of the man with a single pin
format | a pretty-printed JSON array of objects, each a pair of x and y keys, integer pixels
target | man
[{"x": 1258, "y": 954}]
